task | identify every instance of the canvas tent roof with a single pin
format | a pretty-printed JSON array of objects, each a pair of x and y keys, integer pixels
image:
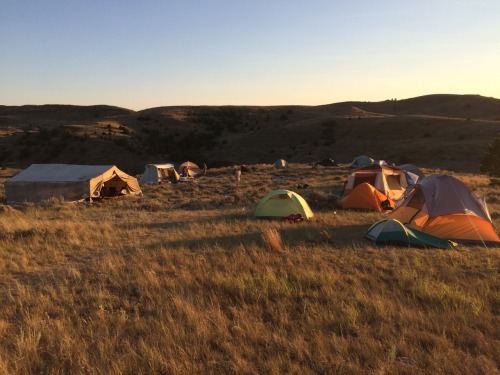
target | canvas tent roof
[
  {"x": 71, "y": 182},
  {"x": 393, "y": 232},
  {"x": 192, "y": 169},
  {"x": 281, "y": 203},
  {"x": 444, "y": 206},
  {"x": 159, "y": 172}
]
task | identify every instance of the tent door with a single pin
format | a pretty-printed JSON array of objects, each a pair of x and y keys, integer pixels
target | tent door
[{"x": 359, "y": 179}]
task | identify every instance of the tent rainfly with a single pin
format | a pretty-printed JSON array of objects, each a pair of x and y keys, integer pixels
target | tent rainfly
[
  {"x": 71, "y": 182},
  {"x": 156, "y": 173},
  {"x": 413, "y": 169},
  {"x": 444, "y": 206},
  {"x": 365, "y": 196},
  {"x": 393, "y": 232}
]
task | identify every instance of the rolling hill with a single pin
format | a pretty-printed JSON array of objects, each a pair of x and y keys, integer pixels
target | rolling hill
[{"x": 438, "y": 131}]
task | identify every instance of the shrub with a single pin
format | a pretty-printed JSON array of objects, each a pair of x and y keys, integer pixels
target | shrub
[
  {"x": 272, "y": 239},
  {"x": 404, "y": 159},
  {"x": 490, "y": 162}
]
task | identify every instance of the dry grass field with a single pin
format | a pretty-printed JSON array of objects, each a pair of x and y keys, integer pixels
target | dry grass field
[{"x": 183, "y": 280}]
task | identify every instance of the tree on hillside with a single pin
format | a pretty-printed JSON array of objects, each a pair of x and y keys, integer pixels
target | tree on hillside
[{"x": 491, "y": 160}]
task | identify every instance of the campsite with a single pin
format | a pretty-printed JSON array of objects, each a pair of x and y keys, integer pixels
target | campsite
[
  {"x": 184, "y": 279},
  {"x": 249, "y": 187},
  {"x": 125, "y": 256}
]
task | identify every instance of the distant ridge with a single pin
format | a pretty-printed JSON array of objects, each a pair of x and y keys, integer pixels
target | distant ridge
[
  {"x": 63, "y": 111},
  {"x": 442, "y": 131},
  {"x": 444, "y": 105}
]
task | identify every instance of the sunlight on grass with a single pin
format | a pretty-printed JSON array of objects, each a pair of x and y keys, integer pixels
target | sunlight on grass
[{"x": 171, "y": 285}]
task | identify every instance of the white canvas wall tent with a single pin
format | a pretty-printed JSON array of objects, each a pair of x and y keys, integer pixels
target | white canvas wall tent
[
  {"x": 71, "y": 182},
  {"x": 156, "y": 173}
]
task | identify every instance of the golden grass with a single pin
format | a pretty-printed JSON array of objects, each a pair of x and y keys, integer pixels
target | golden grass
[{"x": 183, "y": 280}]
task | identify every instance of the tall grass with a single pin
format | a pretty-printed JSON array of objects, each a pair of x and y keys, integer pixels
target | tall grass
[{"x": 184, "y": 280}]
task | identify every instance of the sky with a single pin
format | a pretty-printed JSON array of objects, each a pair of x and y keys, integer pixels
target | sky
[{"x": 144, "y": 54}]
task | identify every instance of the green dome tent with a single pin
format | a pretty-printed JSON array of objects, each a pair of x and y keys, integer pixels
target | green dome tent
[
  {"x": 393, "y": 232},
  {"x": 362, "y": 161},
  {"x": 281, "y": 203}
]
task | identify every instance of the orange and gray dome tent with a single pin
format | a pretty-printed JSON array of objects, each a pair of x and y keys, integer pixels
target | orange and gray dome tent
[
  {"x": 71, "y": 182},
  {"x": 444, "y": 206},
  {"x": 375, "y": 187}
]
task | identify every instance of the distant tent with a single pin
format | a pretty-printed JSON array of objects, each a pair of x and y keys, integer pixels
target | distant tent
[
  {"x": 381, "y": 162},
  {"x": 365, "y": 196},
  {"x": 190, "y": 168},
  {"x": 413, "y": 169},
  {"x": 362, "y": 161},
  {"x": 393, "y": 232},
  {"x": 282, "y": 203},
  {"x": 280, "y": 164},
  {"x": 156, "y": 173},
  {"x": 326, "y": 163},
  {"x": 71, "y": 182},
  {"x": 444, "y": 206}
]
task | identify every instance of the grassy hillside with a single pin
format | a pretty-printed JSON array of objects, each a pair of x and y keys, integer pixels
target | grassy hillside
[
  {"x": 182, "y": 280},
  {"x": 435, "y": 131}
]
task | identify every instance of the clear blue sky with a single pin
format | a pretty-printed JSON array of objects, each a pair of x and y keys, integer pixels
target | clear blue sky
[{"x": 142, "y": 54}]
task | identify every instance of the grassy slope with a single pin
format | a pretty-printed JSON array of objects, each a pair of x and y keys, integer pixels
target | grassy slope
[
  {"x": 184, "y": 280},
  {"x": 438, "y": 131}
]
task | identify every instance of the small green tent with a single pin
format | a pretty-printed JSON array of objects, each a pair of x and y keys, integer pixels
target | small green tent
[
  {"x": 281, "y": 203},
  {"x": 393, "y": 232},
  {"x": 362, "y": 161}
]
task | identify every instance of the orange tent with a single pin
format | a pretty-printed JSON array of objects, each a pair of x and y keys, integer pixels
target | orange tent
[
  {"x": 444, "y": 206},
  {"x": 391, "y": 181},
  {"x": 367, "y": 197}
]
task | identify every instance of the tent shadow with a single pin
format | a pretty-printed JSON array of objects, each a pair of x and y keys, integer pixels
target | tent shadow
[
  {"x": 322, "y": 234},
  {"x": 292, "y": 235},
  {"x": 182, "y": 224},
  {"x": 227, "y": 242}
]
